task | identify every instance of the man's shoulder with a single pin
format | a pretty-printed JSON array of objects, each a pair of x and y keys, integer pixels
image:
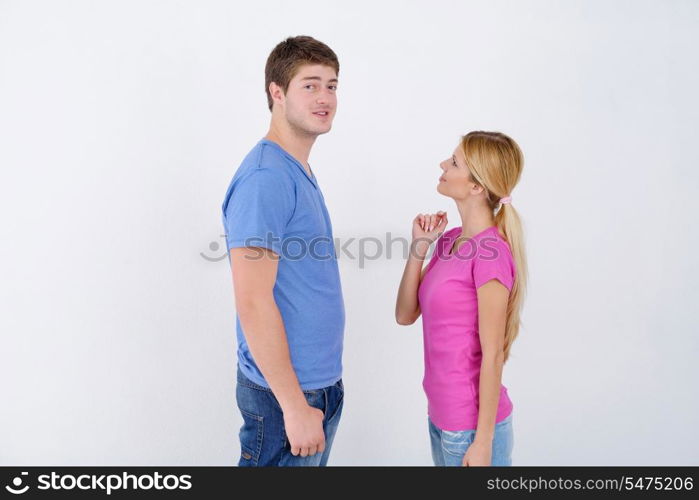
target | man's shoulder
[
  {"x": 265, "y": 161},
  {"x": 263, "y": 165},
  {"x": 261, "y": 173}
]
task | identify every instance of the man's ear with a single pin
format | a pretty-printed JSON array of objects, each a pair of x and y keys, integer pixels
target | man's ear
[{"x": 276, "y": 92}]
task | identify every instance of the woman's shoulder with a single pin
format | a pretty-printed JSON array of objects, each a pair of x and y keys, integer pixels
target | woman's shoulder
[
  {"x": 494, "y": 240},
  {"x": 495, "y": 252}
]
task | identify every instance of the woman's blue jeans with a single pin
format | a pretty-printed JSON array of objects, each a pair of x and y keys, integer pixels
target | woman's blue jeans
[{"x": 449, "y": 447}]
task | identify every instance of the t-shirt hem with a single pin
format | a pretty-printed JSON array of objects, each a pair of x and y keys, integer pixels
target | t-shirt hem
[
  {"x": 247, "y": 243},
  {"x": 309, "y": 386},
  {"x": 501, "y": 278},
  {"x": 462, "y": 425}
]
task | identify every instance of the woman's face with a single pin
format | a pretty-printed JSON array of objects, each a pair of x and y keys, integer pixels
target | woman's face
[{"x": 455, "y": 180}]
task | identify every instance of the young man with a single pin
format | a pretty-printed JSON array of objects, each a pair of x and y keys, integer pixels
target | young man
[{"x": 290, "y": 311}]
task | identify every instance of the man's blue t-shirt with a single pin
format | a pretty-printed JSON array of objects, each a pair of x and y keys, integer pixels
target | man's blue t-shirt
[{"x": 273, "y": 203}]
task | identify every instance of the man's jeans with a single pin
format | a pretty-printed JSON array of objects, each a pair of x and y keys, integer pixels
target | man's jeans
[
  {"x": 263, "y": 440},
  {"x": 449, "y": 447}
]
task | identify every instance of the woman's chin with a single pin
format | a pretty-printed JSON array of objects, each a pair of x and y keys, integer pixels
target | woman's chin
[{"x": 440, "y": 190}]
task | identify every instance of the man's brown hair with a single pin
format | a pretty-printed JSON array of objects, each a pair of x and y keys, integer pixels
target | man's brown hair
[{"x": 288, "y": 56}]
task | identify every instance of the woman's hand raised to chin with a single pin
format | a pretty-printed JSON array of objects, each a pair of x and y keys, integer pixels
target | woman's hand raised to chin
[{"x": 426, "y": 229}]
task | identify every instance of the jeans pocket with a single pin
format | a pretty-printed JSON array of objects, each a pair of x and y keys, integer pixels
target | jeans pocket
[
  {"x": 456, "y": 442},
  {"x": 337, "y": 406},
  {"x": 251, "y": 433},
  {"x": 316, "y": 399}
]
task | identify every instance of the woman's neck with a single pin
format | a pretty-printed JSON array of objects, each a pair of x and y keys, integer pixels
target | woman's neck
[{"x": 474, "y": 219}]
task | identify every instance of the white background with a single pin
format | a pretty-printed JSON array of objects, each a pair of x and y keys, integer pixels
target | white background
[{"x": 122, "y": 123}]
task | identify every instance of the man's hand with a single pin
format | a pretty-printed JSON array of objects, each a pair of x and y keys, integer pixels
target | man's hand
[{"x": 304, "y": 429}]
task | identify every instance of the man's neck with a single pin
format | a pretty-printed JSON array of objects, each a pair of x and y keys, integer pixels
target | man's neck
[{"x": 296, "y": 145}]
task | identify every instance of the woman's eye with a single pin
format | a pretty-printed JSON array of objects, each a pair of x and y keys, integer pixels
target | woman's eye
[
  {"x": 308, "y": 87},
  {"x": 453, "y": 162}
]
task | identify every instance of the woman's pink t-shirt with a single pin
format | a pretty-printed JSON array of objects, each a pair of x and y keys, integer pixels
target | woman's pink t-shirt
[{"x": 449, "y": 307}]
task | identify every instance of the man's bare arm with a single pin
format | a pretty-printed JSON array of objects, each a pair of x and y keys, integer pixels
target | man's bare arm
[{"x": 254, "y": 274}]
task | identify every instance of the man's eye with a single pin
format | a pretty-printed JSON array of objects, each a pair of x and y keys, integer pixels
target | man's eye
[{"x": 333, "y": 87}]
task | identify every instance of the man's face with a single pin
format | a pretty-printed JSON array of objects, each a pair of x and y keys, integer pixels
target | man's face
[{"x": 310, "y": 101}]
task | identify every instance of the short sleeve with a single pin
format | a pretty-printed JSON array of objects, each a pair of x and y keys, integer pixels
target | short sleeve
[
  {"x": 496, "y": 263},
  {"x": 258, "y": 210}
]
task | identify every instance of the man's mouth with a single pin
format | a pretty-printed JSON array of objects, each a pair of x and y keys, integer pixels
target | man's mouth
[{"x": 321, "y": 113}]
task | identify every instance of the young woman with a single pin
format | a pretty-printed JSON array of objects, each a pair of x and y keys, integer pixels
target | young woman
[{"x": 470, "y": 295}]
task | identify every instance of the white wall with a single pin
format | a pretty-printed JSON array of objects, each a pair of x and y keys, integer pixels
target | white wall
[{"x": 121, "y": 124}]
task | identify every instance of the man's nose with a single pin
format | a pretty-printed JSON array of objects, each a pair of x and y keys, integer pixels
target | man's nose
[{"x": 323, "y": 96}]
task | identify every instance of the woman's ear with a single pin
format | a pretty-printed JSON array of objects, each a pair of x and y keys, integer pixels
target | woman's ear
[{"x": 476, "y": 189}]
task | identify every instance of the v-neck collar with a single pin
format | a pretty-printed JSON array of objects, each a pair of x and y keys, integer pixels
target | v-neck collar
[
  {"x": 457, "y": 234},
  {"x": 311, "y": 178}
]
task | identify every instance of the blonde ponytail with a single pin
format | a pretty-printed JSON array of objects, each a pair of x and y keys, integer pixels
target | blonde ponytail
[{"x": 495, "y": 162}]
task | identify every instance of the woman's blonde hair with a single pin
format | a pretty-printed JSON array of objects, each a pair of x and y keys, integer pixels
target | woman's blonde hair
[{"x": 495, "y": 162}]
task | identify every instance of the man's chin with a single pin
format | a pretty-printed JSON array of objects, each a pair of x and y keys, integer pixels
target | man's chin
[
  {"x": 305, "y": 128},
  {"x": 324, "y": 128}
]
